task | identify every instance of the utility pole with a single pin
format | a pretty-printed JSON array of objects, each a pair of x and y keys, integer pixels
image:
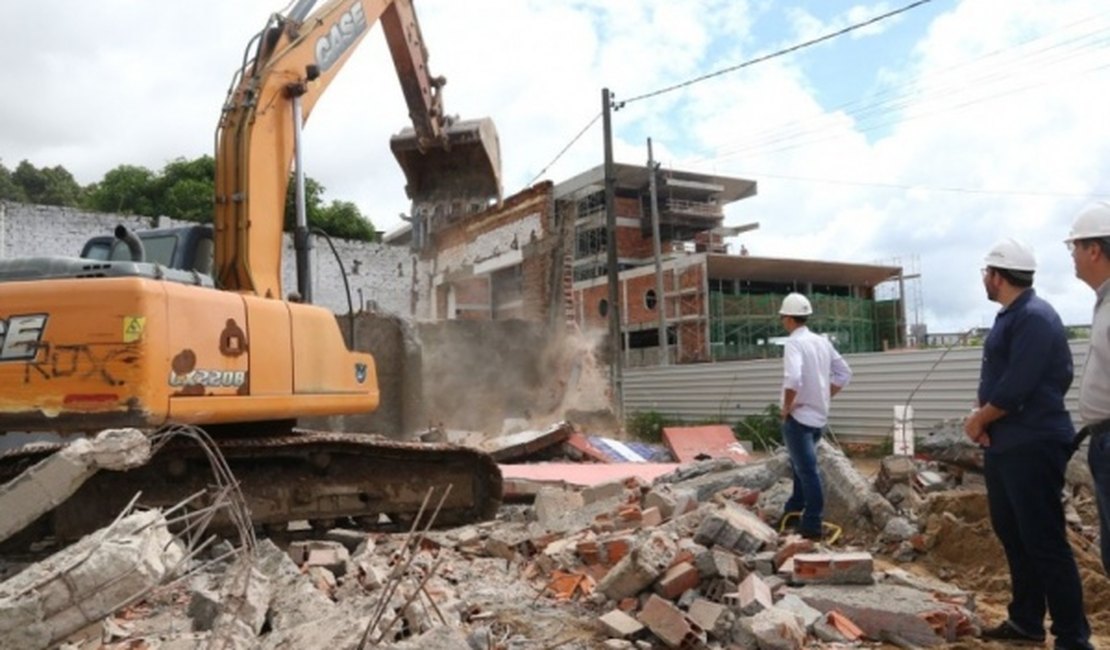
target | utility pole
[
  {"x": 657, "y": 245},
  {"x": 616, "y": 344}
]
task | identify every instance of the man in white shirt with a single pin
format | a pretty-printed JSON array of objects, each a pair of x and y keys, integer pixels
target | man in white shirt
[{"x": 813, "y": 372}]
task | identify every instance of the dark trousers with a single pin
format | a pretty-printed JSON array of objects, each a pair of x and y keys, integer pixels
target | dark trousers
[
  {"x": 808, "y": 497},
  {"x": 1098, "y": 458},
  {"x": 1024, "y": 488}
]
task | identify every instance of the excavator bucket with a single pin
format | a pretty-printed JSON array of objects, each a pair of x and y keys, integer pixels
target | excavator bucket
[{"x": 462, "y": 175}]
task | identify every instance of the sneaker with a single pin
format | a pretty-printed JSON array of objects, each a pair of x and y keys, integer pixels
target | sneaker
[{"x": 1007, "y": 631}]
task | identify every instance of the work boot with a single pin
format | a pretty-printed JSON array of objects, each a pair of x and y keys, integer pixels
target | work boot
[
  {"x": 788, "y": 522},
  {"x": 811, "y": 533},
  {"x": 1011, "y": 634}
]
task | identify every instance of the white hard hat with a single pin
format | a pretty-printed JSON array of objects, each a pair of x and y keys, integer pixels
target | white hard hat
[
  {"x": 1012, "y": 255},
  {"x": 795, "y": 304},
  {"x": 1092, "y": 222}
]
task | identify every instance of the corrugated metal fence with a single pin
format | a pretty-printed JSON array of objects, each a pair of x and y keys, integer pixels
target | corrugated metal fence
[{"x": 942, "y": 385}]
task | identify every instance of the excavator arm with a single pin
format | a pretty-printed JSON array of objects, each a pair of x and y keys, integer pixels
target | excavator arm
[{"x": 297, "y": 56}]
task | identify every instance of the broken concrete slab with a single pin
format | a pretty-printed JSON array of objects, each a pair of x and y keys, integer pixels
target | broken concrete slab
[
  {"x": 706, "y": 478},
  {"x": 87, "y": 581},
  {"x": 880, "y": 609},
  {"x": 295, "y": 600},
  {"x": 525, "y": 443},
  {"x": 48, "y": 483},
  {"x": 690, "y": 444},
  {"x": 583, "y": 473}
]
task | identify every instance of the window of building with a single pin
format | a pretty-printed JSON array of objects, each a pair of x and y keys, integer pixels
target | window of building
[{"x": 650, "y": 299}]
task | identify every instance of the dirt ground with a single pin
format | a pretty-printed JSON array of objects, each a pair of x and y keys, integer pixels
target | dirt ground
[{"x": 966, "y": 553}]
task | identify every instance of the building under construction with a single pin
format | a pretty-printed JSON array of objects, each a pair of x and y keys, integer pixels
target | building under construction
[{"x": 710, "y": 304}]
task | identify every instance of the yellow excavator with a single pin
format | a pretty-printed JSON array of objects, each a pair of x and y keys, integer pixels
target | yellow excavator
[{"x": 89, "y": 344}]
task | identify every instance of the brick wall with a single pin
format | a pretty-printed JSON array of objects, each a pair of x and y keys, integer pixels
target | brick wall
[{"x": 518, "y": 233}]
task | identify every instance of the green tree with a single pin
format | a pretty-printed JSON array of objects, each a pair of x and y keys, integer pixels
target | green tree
[
  {"x": 340, "y": 219},
  {"x": 127, "y": 189},
  {"x": 343, "y": 219},
  {"x": 48, "y": 185},
  {"x": 186, "y": 189},
  {"x": 9, "y": 189},
  {"x": 61, "y": 188}
]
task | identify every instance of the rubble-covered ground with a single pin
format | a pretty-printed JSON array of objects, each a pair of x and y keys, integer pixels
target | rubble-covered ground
[{"x": 689, "y": 560}]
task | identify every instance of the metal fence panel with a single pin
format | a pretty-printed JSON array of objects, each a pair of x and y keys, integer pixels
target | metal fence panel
[{"x": 939, "y": 384}]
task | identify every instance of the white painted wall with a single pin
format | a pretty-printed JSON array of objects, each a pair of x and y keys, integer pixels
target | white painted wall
[{"x": 383, "y": 281}]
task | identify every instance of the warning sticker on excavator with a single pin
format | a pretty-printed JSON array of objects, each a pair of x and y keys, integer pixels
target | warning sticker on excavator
[{"x": 133, "y": 328}]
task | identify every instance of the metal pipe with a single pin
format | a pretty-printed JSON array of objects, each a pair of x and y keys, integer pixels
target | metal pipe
[
  {"x": 134, "y": 244},
  {"x": 302, "y": 239}
]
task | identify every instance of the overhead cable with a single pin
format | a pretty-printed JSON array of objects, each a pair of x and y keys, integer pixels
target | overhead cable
[{"x": 767, "y": 57}]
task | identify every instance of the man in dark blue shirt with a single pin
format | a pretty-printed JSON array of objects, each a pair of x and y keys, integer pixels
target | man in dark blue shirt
[{"x": 1026, "y": 431}]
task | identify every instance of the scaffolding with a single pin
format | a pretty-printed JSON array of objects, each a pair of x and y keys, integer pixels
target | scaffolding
[{"x": 746, "y": 326}]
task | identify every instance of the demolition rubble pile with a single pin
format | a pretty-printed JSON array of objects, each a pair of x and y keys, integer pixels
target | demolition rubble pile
[{"x": 685, "y": 561}]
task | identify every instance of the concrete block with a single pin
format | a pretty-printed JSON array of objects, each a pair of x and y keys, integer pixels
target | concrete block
[
  {"x": 508, "y": 544},
  {"x": 670, "y": 501},
  {"x": 710, "y": 616},
  {"x": 677, "y": 580},
  {"x": 637, "y": 570},
  {"x": 559, "y": 509},
  {"x": 650, "y": 518},
  {"x": 778, "y": 629},
  {"x": 668, "y": 623},
  {"x": 350, "y": 539},
  {"x": 717, "y": 563},
  {"x": 794, "y": 604},
  {"x": 620, "y": 625},
  {"x": 833, "y": 568},
  {"x": 608, "y": 491},
  {"x": 751, "y": 597},
  {"x": 736, "y": 529},
  {"x": 763, "y": 563},
  {"x": 332, "y": 556}
]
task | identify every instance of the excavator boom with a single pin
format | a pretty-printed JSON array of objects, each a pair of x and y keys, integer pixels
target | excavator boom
[{"x": 297, "y": 56}]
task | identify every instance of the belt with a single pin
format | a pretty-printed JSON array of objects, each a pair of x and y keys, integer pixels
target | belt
[{"x": 1096, "y": 429}]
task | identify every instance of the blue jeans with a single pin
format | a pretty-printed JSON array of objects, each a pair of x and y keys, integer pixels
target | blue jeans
[
  {"x": 1024, "y": 489},
  {"x": 1098, "y": 458},
  {"x": 808, "y": 497}
]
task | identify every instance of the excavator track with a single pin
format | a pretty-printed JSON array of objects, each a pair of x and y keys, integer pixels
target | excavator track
[{"x": 324, "y": 478}]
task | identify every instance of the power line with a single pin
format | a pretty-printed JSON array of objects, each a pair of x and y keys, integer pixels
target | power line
[
  {"x": 564, "y": 150},
  {"x": 889, "y": 103},
  {"x": 767, "y": 57}
]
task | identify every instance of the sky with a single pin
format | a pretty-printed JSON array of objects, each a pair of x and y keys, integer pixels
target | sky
[{"x": 919, "y": 140}]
